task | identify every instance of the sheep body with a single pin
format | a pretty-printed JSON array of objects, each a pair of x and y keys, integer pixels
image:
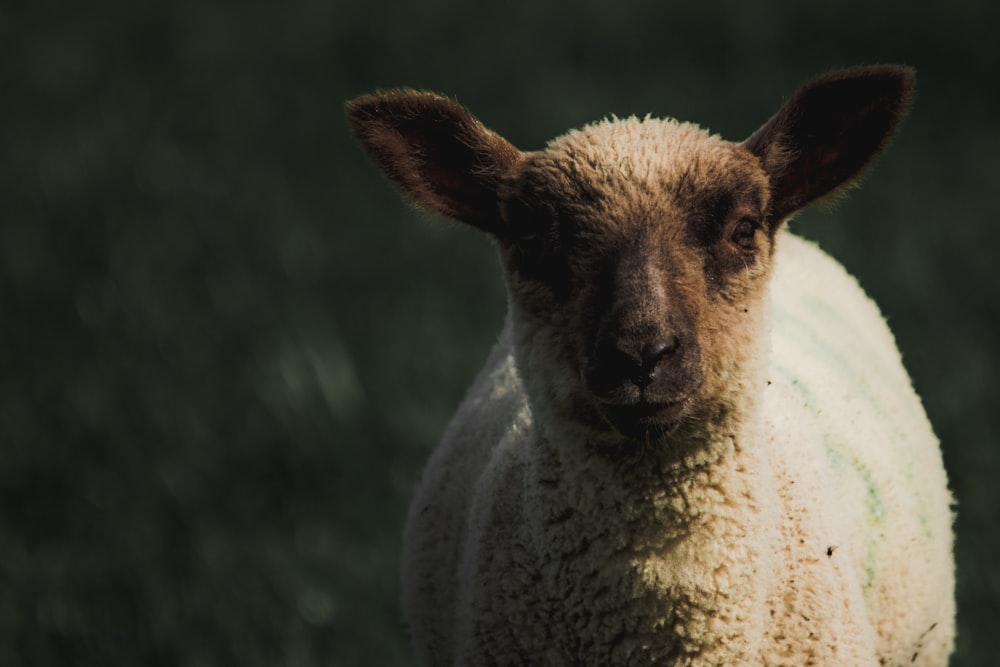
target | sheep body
[
  {"x": 842, "y": 429},
  {"x": 695, "y": 442}
]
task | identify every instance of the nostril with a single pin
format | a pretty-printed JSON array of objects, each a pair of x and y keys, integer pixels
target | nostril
[
  {"x": 654, "y": 351},
  {"x": 610, "y": 366},
  {"x": 652, "y": 354}
]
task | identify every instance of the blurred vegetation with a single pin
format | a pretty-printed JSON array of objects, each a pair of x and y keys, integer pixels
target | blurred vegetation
[{"x": 226, "y": 347}]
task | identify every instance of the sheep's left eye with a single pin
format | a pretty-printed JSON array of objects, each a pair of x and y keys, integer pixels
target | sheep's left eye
[{"x": 743, "y": 233}]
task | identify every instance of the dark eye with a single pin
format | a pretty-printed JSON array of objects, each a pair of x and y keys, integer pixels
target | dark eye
[{"x": 743, "y": 233}]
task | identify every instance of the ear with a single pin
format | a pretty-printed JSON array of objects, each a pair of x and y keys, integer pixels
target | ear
[
  {"x": 436, "y": 152},
  {"x": 824, "y": 138}
]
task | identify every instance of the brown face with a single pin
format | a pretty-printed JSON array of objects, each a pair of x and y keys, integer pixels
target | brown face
[{"x": 638, "y": 277}]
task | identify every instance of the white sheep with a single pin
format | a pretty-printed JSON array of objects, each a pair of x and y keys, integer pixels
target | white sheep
[{"x": 695, "y": 442}]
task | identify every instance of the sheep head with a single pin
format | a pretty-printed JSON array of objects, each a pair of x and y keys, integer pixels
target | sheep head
[{"x": 637, "y": 252}]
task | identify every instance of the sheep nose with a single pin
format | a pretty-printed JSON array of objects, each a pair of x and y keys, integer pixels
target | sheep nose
[{"x": 619, "y": 362}]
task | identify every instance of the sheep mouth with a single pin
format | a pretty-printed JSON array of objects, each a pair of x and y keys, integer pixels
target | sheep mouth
[{"x": 646, "y": 419}]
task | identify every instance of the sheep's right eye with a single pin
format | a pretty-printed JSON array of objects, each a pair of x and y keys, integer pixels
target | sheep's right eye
[{"x": 532, "y": 232}]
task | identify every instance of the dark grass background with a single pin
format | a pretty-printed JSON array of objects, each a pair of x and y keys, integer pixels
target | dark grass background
[{"x": 227, "y": 347}]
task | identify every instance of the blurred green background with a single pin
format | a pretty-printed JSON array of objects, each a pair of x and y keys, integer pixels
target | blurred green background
[{"x": 227, "y": 347}]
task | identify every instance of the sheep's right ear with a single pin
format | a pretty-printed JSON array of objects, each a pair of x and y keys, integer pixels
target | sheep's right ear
[
  {"x": 436, "y": 152},
  {"x": 825, "y": 137}
]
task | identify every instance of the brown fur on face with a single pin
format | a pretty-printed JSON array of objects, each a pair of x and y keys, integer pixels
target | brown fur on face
[{"x": 641, "y": 246}]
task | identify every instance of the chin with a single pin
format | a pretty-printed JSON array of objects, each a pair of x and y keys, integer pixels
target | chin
[{"x": 645, "y": 421}]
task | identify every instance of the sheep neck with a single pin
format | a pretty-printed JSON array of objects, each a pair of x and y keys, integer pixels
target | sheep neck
[{"x": 660, "y": 494}]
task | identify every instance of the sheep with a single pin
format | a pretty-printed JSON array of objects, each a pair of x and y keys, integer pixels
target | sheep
[{"x": 695, "y": 442}]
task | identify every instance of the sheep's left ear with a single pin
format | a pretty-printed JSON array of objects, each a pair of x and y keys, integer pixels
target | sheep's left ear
[{"x": 824, "y": 138}]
